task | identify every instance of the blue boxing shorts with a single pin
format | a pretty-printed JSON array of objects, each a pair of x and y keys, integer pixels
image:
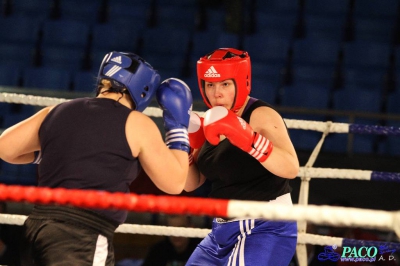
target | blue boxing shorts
[{"x": 247, "y": 242}]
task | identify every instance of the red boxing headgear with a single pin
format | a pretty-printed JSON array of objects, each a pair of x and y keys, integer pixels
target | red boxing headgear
[{"x": 223, "y": 64}]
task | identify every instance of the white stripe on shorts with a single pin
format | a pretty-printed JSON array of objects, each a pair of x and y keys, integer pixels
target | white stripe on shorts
[
  {"x": 101, "y": 252},
  {"x": 238, "y": 251}
]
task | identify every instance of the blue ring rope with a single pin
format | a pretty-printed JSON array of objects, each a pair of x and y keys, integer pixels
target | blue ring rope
[
  {"x": 369, "y": 243},
  {"x": 373, "y": 129}
]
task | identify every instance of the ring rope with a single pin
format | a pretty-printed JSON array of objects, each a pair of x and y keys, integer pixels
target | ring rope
[
  {"x": 326, "y": 127},
  {"x": 156, "y": 112},
  {"x": 317, "y": 172},
  {"x": 305, "y": 175},
  {"x": 302, "y": 238},
  {"x": 328, "y": 215},
  {"x": 232, "y": 208},
  {"x": 304, "y": 190},
  {"x": 30, "y": 99}
]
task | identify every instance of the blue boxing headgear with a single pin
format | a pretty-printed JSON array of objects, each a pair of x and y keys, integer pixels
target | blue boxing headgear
[{"x": 130, "y": 71}]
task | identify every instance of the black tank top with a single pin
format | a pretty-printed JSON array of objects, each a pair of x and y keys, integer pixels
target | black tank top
[
  {"x": 234, "y": 174},
  {"x": 84, "y": 146}
]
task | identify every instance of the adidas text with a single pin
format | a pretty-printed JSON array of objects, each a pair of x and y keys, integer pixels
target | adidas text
[{"x": 212, "y": 75}]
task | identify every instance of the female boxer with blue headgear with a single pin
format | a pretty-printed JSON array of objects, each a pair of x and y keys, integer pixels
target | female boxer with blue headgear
[
  {"x": 248, "y": 155},
  {"x": 99, "y": 143}
]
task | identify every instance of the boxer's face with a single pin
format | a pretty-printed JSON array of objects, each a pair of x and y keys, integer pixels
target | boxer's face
[{"x": 221, "y": 93}]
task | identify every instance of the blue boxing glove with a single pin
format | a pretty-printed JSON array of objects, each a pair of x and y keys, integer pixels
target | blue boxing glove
[{"x": 175, "y": 99}]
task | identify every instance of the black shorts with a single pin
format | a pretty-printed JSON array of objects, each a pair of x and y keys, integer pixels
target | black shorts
[{"x": 59, "y": 235}]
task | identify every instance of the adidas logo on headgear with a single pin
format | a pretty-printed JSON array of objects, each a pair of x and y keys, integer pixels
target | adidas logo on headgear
[
  {"x": 117, "y": 59},
  {"x": 212, "y": 73},
  {"x": 112, "y": 71}
]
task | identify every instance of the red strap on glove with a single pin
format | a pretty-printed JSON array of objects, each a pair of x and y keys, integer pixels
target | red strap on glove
[
  {"x": 261, "y": 148},
  {"x": 221, "y": 121}
]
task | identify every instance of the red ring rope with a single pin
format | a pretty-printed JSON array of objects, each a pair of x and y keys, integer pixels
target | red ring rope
[{"x": 105, "y": 200}]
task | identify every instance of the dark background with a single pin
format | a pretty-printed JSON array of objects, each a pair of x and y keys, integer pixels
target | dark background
[{"x": 335, "y": 60}]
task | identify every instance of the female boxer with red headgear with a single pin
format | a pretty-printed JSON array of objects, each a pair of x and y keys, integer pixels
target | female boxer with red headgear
[
  {"x": 242, "y": 146},
  {"x": 99, "y": 143}
]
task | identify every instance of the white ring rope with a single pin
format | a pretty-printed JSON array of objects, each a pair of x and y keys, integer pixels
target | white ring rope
[
  {"x": 316, "y": 172},
  {"x": 30, "y": 99},
  {"x": 326, "y": 215},
  {"x": 14, "y": 219},
  {"x": 156, "y": 112},
  {"x": 302, "y": 238}
]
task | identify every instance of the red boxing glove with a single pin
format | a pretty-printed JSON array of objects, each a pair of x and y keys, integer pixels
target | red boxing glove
[
  {"x": 221, "y": 121},
  {"x": 195, "y": 130}
]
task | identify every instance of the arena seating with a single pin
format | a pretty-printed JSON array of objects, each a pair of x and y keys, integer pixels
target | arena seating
[{"x": 323, "y": 54}]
